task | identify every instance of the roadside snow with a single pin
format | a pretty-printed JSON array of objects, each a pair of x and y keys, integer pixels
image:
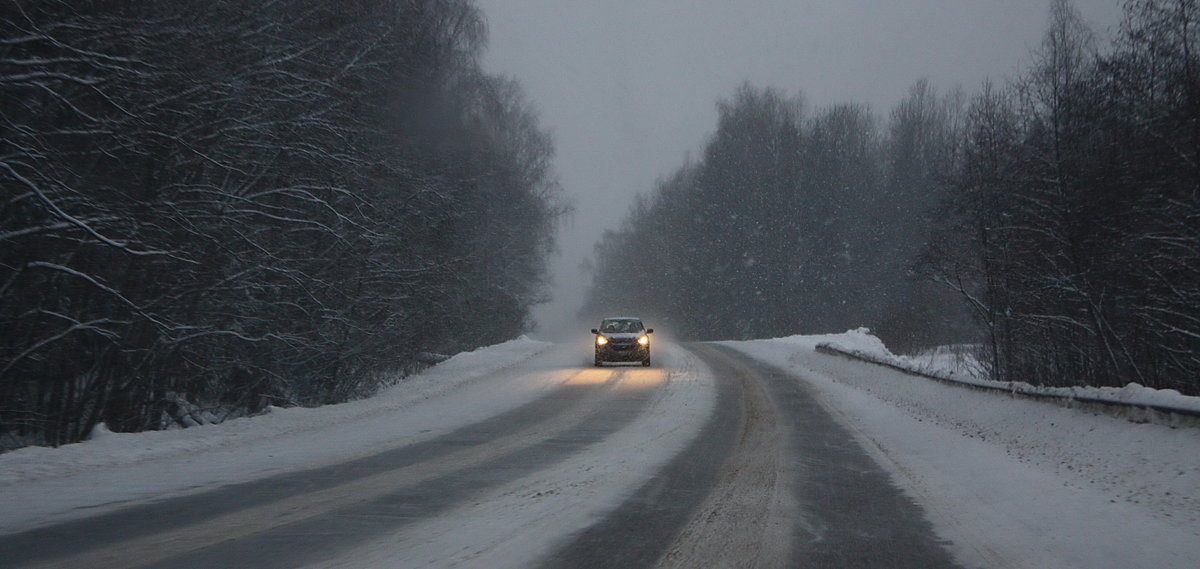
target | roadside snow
[
  {"x": 944, "y": 365},
  {"x": 39, "y": 485},
  {"x": 510, "y": 526},
  {"x": 1013, "y": 482}
]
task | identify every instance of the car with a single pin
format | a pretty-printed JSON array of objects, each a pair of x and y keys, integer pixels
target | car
[{"x": 622, "y": 339}]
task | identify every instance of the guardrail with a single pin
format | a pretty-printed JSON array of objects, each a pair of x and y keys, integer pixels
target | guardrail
[{"x": 1136, "y": 412}]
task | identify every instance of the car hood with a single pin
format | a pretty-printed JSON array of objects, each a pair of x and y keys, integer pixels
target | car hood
[{"x": 621, "y": 335}]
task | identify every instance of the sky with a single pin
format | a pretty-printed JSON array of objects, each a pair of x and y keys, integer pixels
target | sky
[{"x": 628, "y": 88}]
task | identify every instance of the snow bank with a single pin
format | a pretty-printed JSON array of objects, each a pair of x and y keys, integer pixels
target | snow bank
[
  {"x": 508, "y": 525},
  {"x": 1013, "y": 482},
  {"x": 106, "y": 448},
  {"x": 861, "y": 345}
]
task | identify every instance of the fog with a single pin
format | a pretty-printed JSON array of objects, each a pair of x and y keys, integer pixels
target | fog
[{"x": 628, "y": 87}]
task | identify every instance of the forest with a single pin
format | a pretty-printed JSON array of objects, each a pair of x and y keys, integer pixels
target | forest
[
  {"x": 209, "y": 207},
  {"x": 1051, "y": 221}
]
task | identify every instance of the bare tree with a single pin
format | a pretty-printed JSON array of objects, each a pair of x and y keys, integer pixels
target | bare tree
[{"x": 217, "y": 204}]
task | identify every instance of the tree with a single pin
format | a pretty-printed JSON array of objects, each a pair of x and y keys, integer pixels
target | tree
[
  {"x": 211, "y": 203},
  {"x": 1078, "y": 185}
]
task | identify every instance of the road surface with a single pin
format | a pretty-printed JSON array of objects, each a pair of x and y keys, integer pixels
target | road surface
[{"x": 767, "y": 479}]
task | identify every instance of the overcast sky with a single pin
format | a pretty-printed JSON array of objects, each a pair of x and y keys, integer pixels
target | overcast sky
[{"x": 629, "y": 87}]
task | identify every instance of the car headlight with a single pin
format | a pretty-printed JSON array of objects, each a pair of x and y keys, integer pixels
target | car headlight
[
  {"x": 601, "y": 340},
  {"x": 644, "y": 340}
]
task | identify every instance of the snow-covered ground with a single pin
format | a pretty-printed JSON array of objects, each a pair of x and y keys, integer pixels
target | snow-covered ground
[
  {"x": 1009, "y": 482},
  {"x": 1014, "y": 482},
  {"x": 961, "y": 366},
  {"x": 509, "y": 526},
  {"x": 44, "y": 485}
]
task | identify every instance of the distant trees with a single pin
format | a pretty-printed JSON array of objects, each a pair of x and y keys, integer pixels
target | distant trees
[
  {"x": 921, "y": 152},
  {"x": 1062, "y": 207},
  {"x": 793, "y": 221},
  {"x": 225, "y": 204}
]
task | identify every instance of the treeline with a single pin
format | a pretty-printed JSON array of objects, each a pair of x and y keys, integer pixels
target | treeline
[
  {"x": 232, "y": 204},
  {"x": 792, "y": 221},
  {"x": 1061, "y": 209},
  {"x": 1074, "y": 227}
]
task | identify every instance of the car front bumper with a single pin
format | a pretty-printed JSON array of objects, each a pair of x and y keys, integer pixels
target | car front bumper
[{"x": 619, "y": 353}]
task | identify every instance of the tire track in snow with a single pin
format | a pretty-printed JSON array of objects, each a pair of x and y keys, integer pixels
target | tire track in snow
[
  {"x": 515, "y": 525},
  {"x": 144, "y": 536},
  {"x": 848, "y": 511},
  {"x": 772, "y": 481},
  {"x": 747, "y": 519},
  {"x": 643, "y": 527}
]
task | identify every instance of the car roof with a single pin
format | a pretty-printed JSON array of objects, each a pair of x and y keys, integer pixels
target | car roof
[{"x": 622, "y": 318}]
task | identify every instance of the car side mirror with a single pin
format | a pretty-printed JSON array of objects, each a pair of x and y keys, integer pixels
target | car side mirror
[
  {"x": 595, "y": 331},
  {"x": 649, "y": 330}
]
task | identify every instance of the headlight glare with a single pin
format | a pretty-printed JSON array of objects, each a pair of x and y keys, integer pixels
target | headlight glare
[
  {"x": 601, "y": 340},
  {"x": 644, "y": 340}
]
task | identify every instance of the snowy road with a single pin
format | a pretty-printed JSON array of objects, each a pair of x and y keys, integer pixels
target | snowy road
[
  {"x": 731, "y": 496},
  {"x": 773, "y": 481},
  {"x": 286, "y": 520},
  {"x": 521, "y": 455}
]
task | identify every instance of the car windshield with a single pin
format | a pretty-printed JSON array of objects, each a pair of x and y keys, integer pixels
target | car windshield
[{"x": 621, "y": 326}]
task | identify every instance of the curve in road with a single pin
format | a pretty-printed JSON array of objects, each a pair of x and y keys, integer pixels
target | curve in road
[{"x": 773, "y": 481}]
